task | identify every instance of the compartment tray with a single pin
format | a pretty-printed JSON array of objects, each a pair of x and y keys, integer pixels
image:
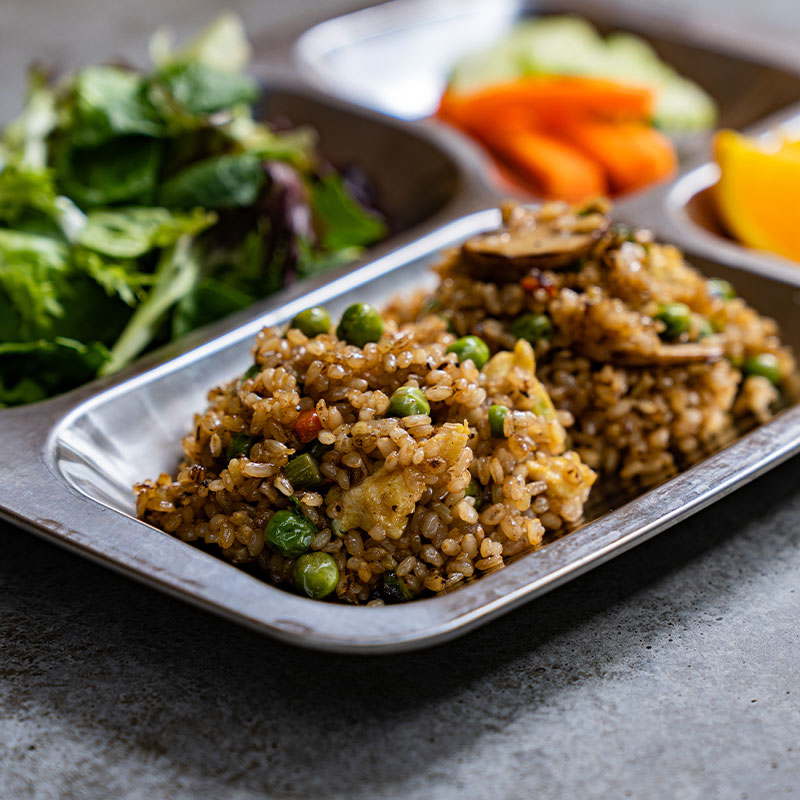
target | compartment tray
[{"x": 68, "y": 464}]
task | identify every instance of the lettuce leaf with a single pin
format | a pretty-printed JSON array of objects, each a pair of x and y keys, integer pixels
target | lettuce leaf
[
  {"x": 222, "y": 45},
  {"x": 109, "y": 103},
  {"x": 43, "y": 294},
  {"x": 202, "y": 90},
  {"x": 33, "y": 270},
  {"x": 132, "y": 231},
  {"x": 344, "y": 222},
  {"x": 118, "y": 277},
  {"x": 23, "y": 190},
  {"x": 177, "y": 274},
  {"x": 31, "y": 371},
  {"x": 123, "y": 170},
  {"x": 210, "y": 300},
  {"x": 220, "y": 182},
  {"x": 25, "y": 139}
]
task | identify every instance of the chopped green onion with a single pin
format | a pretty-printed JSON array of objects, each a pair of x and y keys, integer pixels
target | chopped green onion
[
  {"x": 474, "y": 489},
  {"x": 240, "y": 445},
  {"x": 303, "y": 472},
  {"x": 317, "y": 450}
]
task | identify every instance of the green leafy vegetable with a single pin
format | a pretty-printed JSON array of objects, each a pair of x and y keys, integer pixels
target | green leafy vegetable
[
  {"x": 208, "y": 301},
  {"x": 117, "y": 277},
  {"x": 177, "y": 273},
  {"x": 200, "y": 89},
  {"x": 30, "y": 371},
  {"x": 25, "y": 139},
  {"x": 25, "y": 190},
  {"x": 123, "y": 170},
  {"x": 136, "y": 206},
  {"x": 345, "y": 223},
  {"x": 132, "y": 232},
  {"x": 110, "y": 103},
  {"x": 32, "y": 269},
  {"x": 220, "y": 182},
  {"x": 222, "y": 45}
]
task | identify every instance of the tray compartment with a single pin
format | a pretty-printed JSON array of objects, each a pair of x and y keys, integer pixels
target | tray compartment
[
  {"x": 413, "y": 176},
  {"x": 99, "y": 446},
  {"x": 418, "y": 182},
  {"x": 683, "y": 213},
  {"x": 133, "y": 431},
  {"x": 410, "y": 45},
  {"x": 690, "y": 205}
]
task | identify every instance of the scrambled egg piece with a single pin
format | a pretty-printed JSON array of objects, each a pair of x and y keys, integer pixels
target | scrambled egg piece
[
  {"x": 389, "y": 498},
  {"x": 568, "y": 482},
  {"x": 514, "y": 373}
]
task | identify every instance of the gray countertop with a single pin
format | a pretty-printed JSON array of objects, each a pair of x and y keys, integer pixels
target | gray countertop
[{"x": 672, "y": 671}]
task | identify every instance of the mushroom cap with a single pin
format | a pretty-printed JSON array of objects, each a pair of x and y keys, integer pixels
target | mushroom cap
[
  {"x": 667, "y": 355},
  {"x": 506, "y": 255}
]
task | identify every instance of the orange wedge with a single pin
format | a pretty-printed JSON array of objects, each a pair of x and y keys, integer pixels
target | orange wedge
[{"x": 756, "y": 196}]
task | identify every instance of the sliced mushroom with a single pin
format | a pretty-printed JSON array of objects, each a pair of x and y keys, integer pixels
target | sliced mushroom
[
  {"x": 506, "y": 255},
  {"x": 667, "y": 355}
]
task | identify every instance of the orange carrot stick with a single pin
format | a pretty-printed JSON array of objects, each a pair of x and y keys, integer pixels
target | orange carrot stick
[
  {"x": 632, "y": 154},
  {"x": 548, "y": 167},
  {"x": 547, "y": 99}
]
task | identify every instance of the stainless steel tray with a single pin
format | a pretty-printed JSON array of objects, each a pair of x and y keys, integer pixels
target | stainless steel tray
[{"x": 68, "y": 464}]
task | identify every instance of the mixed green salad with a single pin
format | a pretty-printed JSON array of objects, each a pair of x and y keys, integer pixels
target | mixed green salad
[{"x": 137, "y": 206}]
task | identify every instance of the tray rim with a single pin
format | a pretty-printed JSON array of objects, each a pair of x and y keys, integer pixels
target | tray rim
[{"x": 207, "y": 581}]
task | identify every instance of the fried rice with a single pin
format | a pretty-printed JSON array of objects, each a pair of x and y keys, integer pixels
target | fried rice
[
  {"x": 394, "y": 502},
  {"x": 645, "y": 405},
  {"x": 417, "y": 505}
]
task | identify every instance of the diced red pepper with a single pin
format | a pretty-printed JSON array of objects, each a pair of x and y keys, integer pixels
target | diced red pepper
[
  {"x": 538, "y": 280},
  {"x": 308, "y": 425}
]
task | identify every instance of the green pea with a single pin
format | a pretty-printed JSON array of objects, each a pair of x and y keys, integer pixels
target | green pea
[
  {"x": 497, "y": 418},
  {"x": 676, "y": 318},
  {"x": 408, "y": 401},
  {"x": 289, "y": 533},
  {"x": 532, "y": 327},
  {"x": 303, "y": 472},
  {"x": 717, "y": 287},
  {"x": 360, "y": 323},
  {"x": 312, "y": 321},
  {"x": 766, "y": 365},
  {"x": 316, "y": 574},
  {"x": 239, "y": 445},
  {"x": 474, "y": 489},
  {"x": 470, "y": 348}
]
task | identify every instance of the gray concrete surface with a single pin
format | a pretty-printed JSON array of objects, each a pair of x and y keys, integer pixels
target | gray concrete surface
[{"x": 672, "y": 671}]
